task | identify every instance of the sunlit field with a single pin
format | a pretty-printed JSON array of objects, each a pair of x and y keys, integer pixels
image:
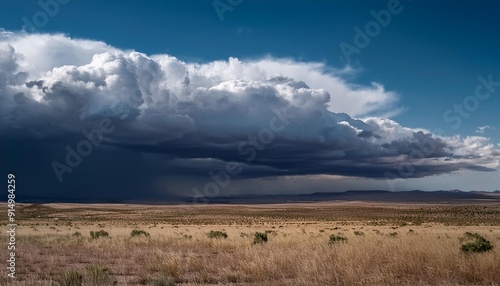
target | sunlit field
[{"x": 307, "y": 244}]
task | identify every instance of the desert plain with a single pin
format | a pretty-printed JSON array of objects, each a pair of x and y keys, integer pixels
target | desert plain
[{"x": 320, "y": 243}]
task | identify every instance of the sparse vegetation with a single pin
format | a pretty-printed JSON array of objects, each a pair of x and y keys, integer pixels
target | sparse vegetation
[
  {"x": 217, "y": 234},
  {"x": 480, "y": 243},
  {"x": 98, "y": 275},
  {"x": 98, "y": 234},
  {"x": 337, "y": 238},
  {"x": 358, "y": 233},
  {"x": 270, "y": 232},
  {"x": 179, "y": 249},
  {"x": 138, "y": 232},
  {"x": 71, "y": 278},
  {"x": 259, "y": 238}
]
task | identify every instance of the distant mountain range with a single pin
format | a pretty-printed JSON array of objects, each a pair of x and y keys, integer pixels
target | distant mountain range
[{"x": 416, "y": 196}]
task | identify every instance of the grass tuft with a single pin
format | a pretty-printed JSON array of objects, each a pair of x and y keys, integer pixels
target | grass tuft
[
  {"x": 358, "y": 233},
  {"x": 71, "y": 278},
  {"x": 97, "y": 234},
  {"x": 139, "y": 232},
  {"x": 98, "y": 275},
  {"x": 217, "y": 234},
  {"x": 259, "y": 237},
  {"x": 337, "y": 238}
]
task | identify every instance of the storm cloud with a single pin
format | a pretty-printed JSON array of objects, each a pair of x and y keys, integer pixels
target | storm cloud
[{"x": 148, "y": 119}]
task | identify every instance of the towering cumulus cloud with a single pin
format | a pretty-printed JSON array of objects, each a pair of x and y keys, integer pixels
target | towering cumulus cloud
[{"x": 166, "y": 118}]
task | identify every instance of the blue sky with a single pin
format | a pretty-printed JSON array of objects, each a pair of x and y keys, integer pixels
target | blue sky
[{"x": 428, "y": 58}]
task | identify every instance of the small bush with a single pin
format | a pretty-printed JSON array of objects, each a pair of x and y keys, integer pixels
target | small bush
[
  {"x": 71, "y": 278},
  {"x": 337, "y": 238},
  {"x": 138, "y": 232},
  {"x": 97, "y": 275},
  {"x": 480, "y": 244},
  {"x": 217, "y": 234},
  {"x": 358, "y": 233},
  {"x": 97, "y": 234},
  {"x": 393, "y": 234},
  {"x": 259, "y": 237},
  {"x": 77, "y": 234}
]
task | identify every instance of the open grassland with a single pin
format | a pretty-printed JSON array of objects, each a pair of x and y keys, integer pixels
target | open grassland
[{"x": 385, "y": 244}]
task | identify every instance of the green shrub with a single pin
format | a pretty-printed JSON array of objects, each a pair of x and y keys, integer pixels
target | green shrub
[
  {"x": 138, "y": 232},
  {"x": 97, "y": 275},
  {"x": 217, "y": 234},
  {"x": 480, "y": 244},
  {"x": 337, "y": 238},
  {"x": 71, "y": 278},
  {"x": 259, "y": 237},
  {"x": 358, "y": 233},
  {"x": 97, "y": 234}
]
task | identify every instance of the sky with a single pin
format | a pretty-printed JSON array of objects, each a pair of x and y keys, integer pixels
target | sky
[{"x": 151, "y": 99}]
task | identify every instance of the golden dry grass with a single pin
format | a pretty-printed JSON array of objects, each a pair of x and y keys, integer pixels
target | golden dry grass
[{"x": 425, "y": 251}]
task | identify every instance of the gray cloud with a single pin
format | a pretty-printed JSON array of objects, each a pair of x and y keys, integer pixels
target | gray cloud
[{"x": 177, "y": 119}]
